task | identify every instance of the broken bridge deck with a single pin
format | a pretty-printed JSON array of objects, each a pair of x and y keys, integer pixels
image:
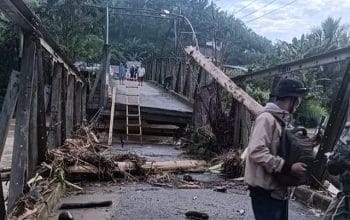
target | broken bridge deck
[{"x": 158, "y": 106}]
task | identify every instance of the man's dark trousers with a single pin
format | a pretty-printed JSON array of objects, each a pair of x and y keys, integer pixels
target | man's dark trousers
[{"x": 267, "y": 208}]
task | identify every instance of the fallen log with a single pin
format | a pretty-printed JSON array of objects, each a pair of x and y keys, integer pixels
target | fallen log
[
  {"x": 129, "y": 166},
  {"x": 83, "y": 205},
  {"x": 180, "y": 165},
  {"x": 188, "y": 186}
]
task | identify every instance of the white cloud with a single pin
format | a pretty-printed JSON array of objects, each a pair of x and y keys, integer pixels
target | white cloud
[{"x": 291, "y": 21}]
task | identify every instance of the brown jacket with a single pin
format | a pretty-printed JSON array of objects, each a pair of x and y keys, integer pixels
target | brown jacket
[{"x": 261, "y": 159}]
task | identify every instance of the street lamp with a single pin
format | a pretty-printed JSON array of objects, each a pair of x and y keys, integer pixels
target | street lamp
[{"x": 194, "y": 36}]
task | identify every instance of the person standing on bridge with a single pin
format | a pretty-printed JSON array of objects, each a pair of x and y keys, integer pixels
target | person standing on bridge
[
  {"x": 132, "y": 72},
  {"x": 140, "y": 74},
  {"x": 270, "y": 198},
  {"x": 122, "y": 73}
]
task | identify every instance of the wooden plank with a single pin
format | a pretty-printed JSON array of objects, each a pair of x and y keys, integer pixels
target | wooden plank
[
  {"x": 335, "y": 125},
  {"x": 154, "y": 70},
  {"x": 8, "y": 108},
  {"x": 21, "y": 140},
  {"x": 33, "y": 130},
  {"x": 183, "y": 77},
  {"x": 64, "y": 86},
  {"x": 173, "y": 74},
  {"x": 239, "y": 94},
  {"x": 110, "y": 134},
  {"x": 83, "y": 102},
  {"x": 77, "y": 104},
  {"x": 178, "y": 79},
  {"x": 161, "y": 71},
  {"x": 56, "y": 115},
  {"x": 70, "y": 106},
  {"x": 197, "y": 117},
  {"x": 2, "y": 202},
  {"x": 42, "y": 130}
]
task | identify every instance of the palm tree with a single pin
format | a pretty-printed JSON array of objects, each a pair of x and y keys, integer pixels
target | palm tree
[{"x": 329, "y": 36}]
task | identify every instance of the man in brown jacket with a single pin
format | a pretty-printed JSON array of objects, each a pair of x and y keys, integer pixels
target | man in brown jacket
[{"x": 269, "y": 199}]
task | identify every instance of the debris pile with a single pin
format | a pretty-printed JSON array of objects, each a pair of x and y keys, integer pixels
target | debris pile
[
  {"x": 233, "y": 165},
  {"x": 230, "y": 164},
  {"x": 83, "y": 155},
  {"x": 170, "y": 180},
  {"x": 38, "y": 190},
  {"x": 200, "y": 143}
]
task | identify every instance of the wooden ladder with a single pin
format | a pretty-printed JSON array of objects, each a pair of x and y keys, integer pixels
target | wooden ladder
[{"x": 130, "y": 92}]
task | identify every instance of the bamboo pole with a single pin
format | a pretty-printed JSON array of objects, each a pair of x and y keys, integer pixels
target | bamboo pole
[{"x": 110, "y": 135}]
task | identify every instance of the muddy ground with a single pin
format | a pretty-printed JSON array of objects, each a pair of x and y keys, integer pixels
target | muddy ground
[{"x": 140, "y": 200}]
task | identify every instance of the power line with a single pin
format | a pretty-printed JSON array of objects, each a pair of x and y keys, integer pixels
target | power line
[
  {"x": 258, "y": 9},
  {"x": 244, "y": 7},
  {"x": 267, "y": 13}
]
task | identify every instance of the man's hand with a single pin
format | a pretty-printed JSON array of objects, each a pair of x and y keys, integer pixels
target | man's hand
[{"x": 298, "y": 168}]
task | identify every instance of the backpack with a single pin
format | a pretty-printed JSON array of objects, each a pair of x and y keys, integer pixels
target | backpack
[{"x": 295, "y": 146}]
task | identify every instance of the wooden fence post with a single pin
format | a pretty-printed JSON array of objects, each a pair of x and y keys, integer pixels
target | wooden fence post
[
  {"x": 173, "y": 74},
  {"x": 77, "y": 104},
  {"x": 187, "y": 83},
  {"x": 154, "y": 70},
  {"x": 41, "y": 120},
  {"x": 197, "y": 103},
  {"x": 160, "y": 71},
  {"x": 148, "y": 70},
  {"x": 56, "y": 115},
  {"x": 83, "y": 102},
  {"x": 21, "y": 140},
  {"x": 33, "y": 123},
  {"x": 63, "y": 104},
  {"x": 70, "y": 106},
  {"x": 178, "y": 79}
]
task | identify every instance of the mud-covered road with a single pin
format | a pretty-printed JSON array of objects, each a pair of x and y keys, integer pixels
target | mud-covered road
[{"x": 139, "y": 200}]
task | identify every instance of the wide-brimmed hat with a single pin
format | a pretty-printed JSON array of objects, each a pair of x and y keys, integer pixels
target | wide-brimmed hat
[{"x": 289, "y": 88}]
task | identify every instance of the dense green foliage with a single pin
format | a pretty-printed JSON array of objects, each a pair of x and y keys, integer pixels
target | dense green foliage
[
  {"x": 8, "y": 55},
  {"x": 323, "y": 81},
  {"x": 79, "y": 28}
]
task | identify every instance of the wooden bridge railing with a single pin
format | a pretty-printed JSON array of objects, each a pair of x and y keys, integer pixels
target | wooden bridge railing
[
  {"x": 184, "y": 77},
  {"x": 48, "y": 95}
]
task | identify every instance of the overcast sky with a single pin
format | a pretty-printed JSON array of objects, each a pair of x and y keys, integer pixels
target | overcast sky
[{"x": 286, "y": 22}]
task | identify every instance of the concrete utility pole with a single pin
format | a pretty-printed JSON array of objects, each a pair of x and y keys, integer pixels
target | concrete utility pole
[
  {"x": 105, "y": 64},
  {"x": 175, "y": 33},
  {"x": 107, "y": 25}
]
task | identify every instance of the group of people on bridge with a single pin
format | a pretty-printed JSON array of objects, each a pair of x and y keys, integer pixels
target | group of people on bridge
[{"x": 134, "y": 73}]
